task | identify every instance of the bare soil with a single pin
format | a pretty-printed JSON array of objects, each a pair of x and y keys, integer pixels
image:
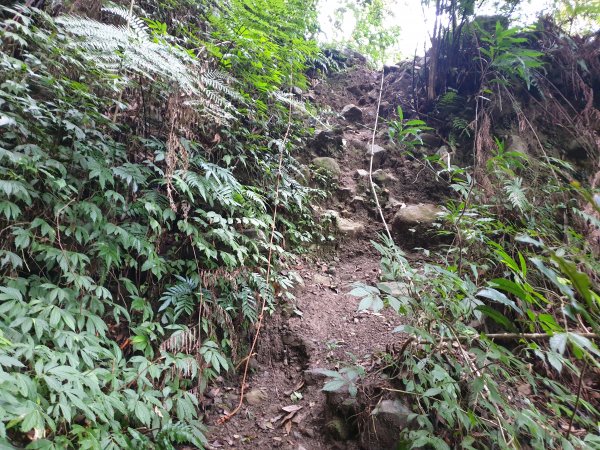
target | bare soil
[{"x": 285, "y": 406}]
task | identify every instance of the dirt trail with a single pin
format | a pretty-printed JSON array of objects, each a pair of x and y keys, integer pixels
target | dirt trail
[{"x": 330, "y": 333}]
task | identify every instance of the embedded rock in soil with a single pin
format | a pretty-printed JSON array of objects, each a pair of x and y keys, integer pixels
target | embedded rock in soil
[
  {"x": 517, "y": 144},
  {"x": 431, "y": 140},
  {"x": 383, "y": 178},
  {"x": 378, "y": 153},
  {"x": 422, "y": 214},
  {"x": 393, "y": 203},
  {"x": 361, "y": 173},
  {"x": 350, "y": 227},
  {"x": 328, "y": 142},
  {"x": 328, "y": 164},
  {"x": 255, "y": 397},
  {"x": 338, "y": 429},
  {"x": 358, "y": 202},
  {"x": 321, "y": 279},
  {"x": 387, "y": 419},
  {"x": 352, "y": 113},
  {"x": 393, "y": 288},
  {"x": 346, "y": 192},
  {"x": 297, "y": 91}
]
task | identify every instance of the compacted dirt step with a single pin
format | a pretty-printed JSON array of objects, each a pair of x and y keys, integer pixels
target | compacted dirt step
[{"x": 284, "y": 405}]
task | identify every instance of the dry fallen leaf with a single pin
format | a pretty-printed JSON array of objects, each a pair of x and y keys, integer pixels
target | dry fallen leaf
[{"x": 292, "y": 408}]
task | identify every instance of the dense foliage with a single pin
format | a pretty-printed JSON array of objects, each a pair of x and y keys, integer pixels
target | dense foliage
[
  {"x": 136, "y": 179},
  {"x": 500, "y": 346}
]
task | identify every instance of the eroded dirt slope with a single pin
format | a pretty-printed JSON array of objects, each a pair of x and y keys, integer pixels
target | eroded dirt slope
[{"x": 284, "y": 405}]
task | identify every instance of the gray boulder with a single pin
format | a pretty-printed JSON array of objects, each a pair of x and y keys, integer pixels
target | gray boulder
[
  {"x": 327, "y": 142},
  {"x": 349, "y": 227},
  {"x": 352, "y": 113},
  {"x": 387, "y": 420},
  {"x": 361, "y": 173},
  {"x": 379, "y": 154},
  {"x": 421, "y": 215}
]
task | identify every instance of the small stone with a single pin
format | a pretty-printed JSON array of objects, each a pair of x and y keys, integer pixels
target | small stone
[
  {"x": 358, "y": 201},
  {"x": 297, "y": 91},
  {"x": 352, "y": 113},
  {"x": 321, "y": 279},
  {"x": 350, "y": 227},
  {"x": 361, "y": 173},
  {"x": 388, "y": 69},
  {"x": 255, "y": 397},
  {"x": 328, "y": 164},
  {"x": 378, "y": 153}
]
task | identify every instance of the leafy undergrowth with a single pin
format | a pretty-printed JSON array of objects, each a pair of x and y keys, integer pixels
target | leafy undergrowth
[
  {"x": 499, "y": 349},
  {"x": 136, "y": 206},
  {"x": 500, "y": 346}
]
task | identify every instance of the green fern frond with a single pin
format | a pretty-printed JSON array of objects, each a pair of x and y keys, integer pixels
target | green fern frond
[
  {"x": 130, "y": 48},
  {"x": 516, "y": 194}
]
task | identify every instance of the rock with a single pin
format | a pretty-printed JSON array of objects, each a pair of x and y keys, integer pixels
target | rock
[
  {"x": 394, "y": 204},
  {"x": 346, "y": 192},
  {"x": 297, "y": 91},
  {"x": 431, "y": 140},
  {"x": 327, "y": 142},
  {"x": 517, "y": 144},
  {"x": 414, "y": 215},
  {"x": 379, "y": 154},
  {"x": 358, "y": 200},
  {"x": 350, "y": 227},
  {"x": 255, "y": 397},
  {"x": 393, "y": 288},
  {"x": 352, "y": 113},
  {"x": 387, "y": 69},
  {"x": 355, "y": 90},
  {"x": 358, "y": 145},
  {"x": 361, "y": 173},
  {"x": 338, "y": 429},
  {"x": 314, "y": 377},
  {"x": 328, "y": 164},
  {"x": 388, "y": 418},
  {"x": 383, "y": 178},
  {"x": 321, "y": 279}
]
